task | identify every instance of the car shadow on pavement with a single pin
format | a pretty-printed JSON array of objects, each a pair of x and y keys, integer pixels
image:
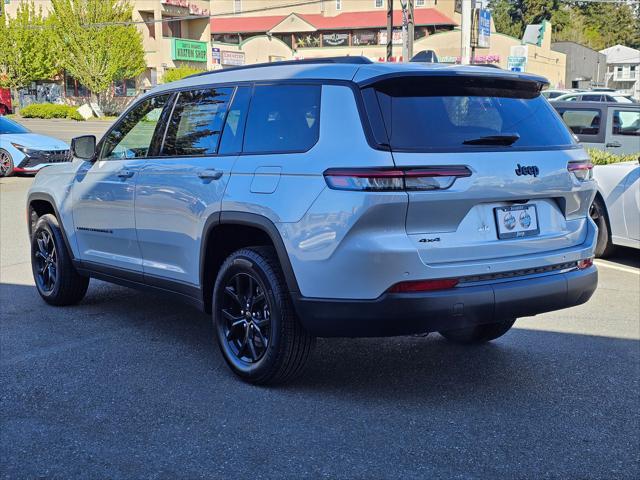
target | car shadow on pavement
[
  {"x": 625, "y": 256},
  {"x": 385, "y": 368}
]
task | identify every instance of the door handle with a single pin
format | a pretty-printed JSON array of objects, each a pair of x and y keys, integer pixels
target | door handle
[
  {"x": 210, "y": 174},
  {"x": 613, "y": 144},
  {"x": 125, "y": 173}
]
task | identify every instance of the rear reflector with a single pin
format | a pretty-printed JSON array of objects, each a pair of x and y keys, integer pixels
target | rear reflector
[
  {"x": 423, "y": 285},
  {"x": 586, "y": 263},
  {"x": 384, "y": 180},
  {"x": 582, "y": 170}
]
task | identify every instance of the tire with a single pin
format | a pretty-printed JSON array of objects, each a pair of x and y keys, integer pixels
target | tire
[
  {"x": 264, "y": 343},
  {"x": 479, "y": 333},
  {"x": 6, "y": 163},
  {"x": 57, "y": 281},
  {"x": 598, "y": 213}
]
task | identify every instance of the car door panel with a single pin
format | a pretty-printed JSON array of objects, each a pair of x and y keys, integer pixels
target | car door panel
[
  {"x": 183, "y": 186},
  {"x": 104, "y": 191}
]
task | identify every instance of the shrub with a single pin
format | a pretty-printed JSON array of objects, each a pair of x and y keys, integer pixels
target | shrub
[
  {"x": 179, "y": 73},
  {"x": 600, "y": 157},
  {"x": 50, "y": 110}
]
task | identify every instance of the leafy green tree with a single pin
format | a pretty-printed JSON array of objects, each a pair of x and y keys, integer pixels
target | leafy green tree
[
  {"x": 179, "y": 73},
  {"x": 25, "y": 54},
  {"x": 506, "y": 18},
  {"x": 94, "y": 44}
]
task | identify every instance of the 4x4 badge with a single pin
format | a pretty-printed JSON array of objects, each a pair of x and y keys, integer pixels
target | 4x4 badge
[{"x": 524, "y": 170}]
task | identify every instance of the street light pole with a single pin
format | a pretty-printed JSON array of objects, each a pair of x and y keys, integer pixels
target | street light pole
[
  {"x": 465, "y": 37},
  {"x": 407, "y": 29}
]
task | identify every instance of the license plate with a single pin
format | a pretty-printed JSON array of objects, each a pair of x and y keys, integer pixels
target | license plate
[{"x": 517, "y": 221}]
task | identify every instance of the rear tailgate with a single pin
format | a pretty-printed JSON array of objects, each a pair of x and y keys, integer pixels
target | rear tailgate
[{"x": 520, "y": 198}]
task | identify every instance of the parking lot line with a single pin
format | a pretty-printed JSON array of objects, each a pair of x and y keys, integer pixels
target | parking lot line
[{"x": 603, "y": 263}]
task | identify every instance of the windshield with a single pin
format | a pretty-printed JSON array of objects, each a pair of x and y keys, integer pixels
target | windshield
[
  {"x": 9, "y": 126},
  {"x": 426, "y": 114}
]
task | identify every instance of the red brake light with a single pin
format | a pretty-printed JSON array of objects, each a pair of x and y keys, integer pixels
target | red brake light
[
  {"x": 425, "y": 178},
  {"x": 582, "y": 170},
  {"x": 586, "y": 263},
  {"x": 423, "y": 285}
]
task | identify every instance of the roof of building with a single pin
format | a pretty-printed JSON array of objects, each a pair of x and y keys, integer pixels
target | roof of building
[
  {"x": 362, "y": 72},
  {"x": 343, "y": 21},
  {"x": 622, "y": 54}
]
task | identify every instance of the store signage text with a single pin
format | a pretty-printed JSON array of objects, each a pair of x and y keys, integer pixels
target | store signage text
[
  {"x": 193, "y": 8},
  {"x": 231, "y": 58},
  {"x": 189, "y": 50}
]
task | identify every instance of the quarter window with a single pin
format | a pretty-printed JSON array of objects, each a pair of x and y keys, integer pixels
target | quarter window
[
  {"x": 582, "y": 122},
  {"x": 196, "y": 122},
  {"x": 132, "y": 135},
  {"x": 626, "y": 123},
  {"x": 283, "y": 118}
]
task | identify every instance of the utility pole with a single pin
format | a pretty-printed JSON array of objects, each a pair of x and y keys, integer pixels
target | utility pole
[
  {"x": 407, "y": 29},
  {"x": 465, "y": 37},
  {"x": 389, "y": 29}
]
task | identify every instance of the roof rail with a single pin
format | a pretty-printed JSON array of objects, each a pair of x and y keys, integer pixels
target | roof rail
[{"x": 355, "y": 60}]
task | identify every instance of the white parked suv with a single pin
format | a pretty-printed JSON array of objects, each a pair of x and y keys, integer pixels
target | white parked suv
[{"x": 327, "y": 198}]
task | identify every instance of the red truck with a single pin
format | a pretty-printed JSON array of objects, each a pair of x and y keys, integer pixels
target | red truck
[{"x": 5, "y": 101}]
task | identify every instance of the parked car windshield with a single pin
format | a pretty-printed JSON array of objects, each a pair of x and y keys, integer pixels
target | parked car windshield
[
  {"x": 443, "y": 114},
  {"x": 9, "y": 126}
]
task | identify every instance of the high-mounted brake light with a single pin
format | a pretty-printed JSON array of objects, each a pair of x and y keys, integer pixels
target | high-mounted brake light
[
  {"x": 414, "y": 286},
  {"x": 384, "y": 180},
  {"x": 582, "y": 170}
]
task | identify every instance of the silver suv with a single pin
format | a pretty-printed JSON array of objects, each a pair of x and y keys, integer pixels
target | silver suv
[{"x": 327, "y": 198}]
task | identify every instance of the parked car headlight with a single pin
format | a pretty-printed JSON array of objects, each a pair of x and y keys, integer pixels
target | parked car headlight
[{"x": 27, "y": 151}]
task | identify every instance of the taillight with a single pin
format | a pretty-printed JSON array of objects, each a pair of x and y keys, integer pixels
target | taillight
[
  {"x": 582, "y": 170},
  {"x": 384, "y": 180},
  {"x": 586, "y": 263},
  {"x": 414, "y": 286}
]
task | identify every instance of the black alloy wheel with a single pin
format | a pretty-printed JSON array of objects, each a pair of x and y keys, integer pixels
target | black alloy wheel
[
  {"x": 46, "y": 260},
  {"x": 246, "y": 317}
]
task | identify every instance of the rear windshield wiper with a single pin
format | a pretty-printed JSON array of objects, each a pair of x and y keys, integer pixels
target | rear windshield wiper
[{"x": 494, "y": 140}]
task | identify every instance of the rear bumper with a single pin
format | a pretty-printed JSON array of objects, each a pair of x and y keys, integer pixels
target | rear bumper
[{"x": 402, "y": 314}]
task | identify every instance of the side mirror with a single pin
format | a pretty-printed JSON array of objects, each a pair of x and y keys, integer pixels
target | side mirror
[{"x": 84, "y": 147}]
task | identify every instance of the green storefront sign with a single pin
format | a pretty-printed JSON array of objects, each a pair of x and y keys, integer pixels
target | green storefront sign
[{"x": 190, "y": 50}]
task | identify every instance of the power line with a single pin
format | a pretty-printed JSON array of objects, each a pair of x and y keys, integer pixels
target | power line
[{"x": 281, "y": 6}]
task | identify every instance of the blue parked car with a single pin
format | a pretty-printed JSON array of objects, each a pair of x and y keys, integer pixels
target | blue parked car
[{"x": 24, "y": 152}]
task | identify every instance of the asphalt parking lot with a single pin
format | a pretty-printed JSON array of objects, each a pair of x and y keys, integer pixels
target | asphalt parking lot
[{"x": 130, "y": 385}]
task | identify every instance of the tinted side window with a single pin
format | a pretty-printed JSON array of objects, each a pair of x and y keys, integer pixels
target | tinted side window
[
  {"x": 582, "y": 122},
  {"x": 196, "y": 122},
  {"x": 131, "y": 137},
  {"x": 283, "y": 118},
  {"x": 626, "y": 122},
  {"x": 233, "y": 132},
  {"x": 592, "y": 98}
]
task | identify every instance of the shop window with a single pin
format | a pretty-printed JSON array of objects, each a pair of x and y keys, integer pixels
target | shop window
[
  {"x": 172, "y": 29},
  {"x": 364, "y": 37},
  {"x": 232, "y": 38},
  {"x": 73, "y": 88},
  {"x": 125, "y": 88},
  {"x": 307, "y": 40},
  {"x": 286, "y": 38}
]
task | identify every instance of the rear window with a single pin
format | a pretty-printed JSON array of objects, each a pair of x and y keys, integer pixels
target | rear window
[
  {"x": 439, "y": 113},
  {"x": 283, "y": 118}
]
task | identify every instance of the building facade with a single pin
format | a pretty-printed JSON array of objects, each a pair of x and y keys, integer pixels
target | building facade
[
  {"x": 174, "y": 33},
  {"x": 623, "y": 69},
  {"x": 586, "y": 68}
]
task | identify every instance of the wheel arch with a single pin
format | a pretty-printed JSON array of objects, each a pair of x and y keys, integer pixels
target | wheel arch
[
  {"x": 227, "y": 232},
  {"x": 42, "y": 204}
]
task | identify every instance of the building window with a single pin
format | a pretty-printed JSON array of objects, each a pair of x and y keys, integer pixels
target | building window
[
  {"x": 172, "y": 29},
  {"x": 364, "y": 37},
  {"x": 125, "y": 88},
  {"x": 233, "y": 38},
  {"x": 73, "y": 88},
  {"x": 338, "y": 4},
  {"x": 419, "y": 3},
  {"x": 378, "y": 3},
  {"x": 237, "y": 6},
  {"x": 632, "y": 72}
]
